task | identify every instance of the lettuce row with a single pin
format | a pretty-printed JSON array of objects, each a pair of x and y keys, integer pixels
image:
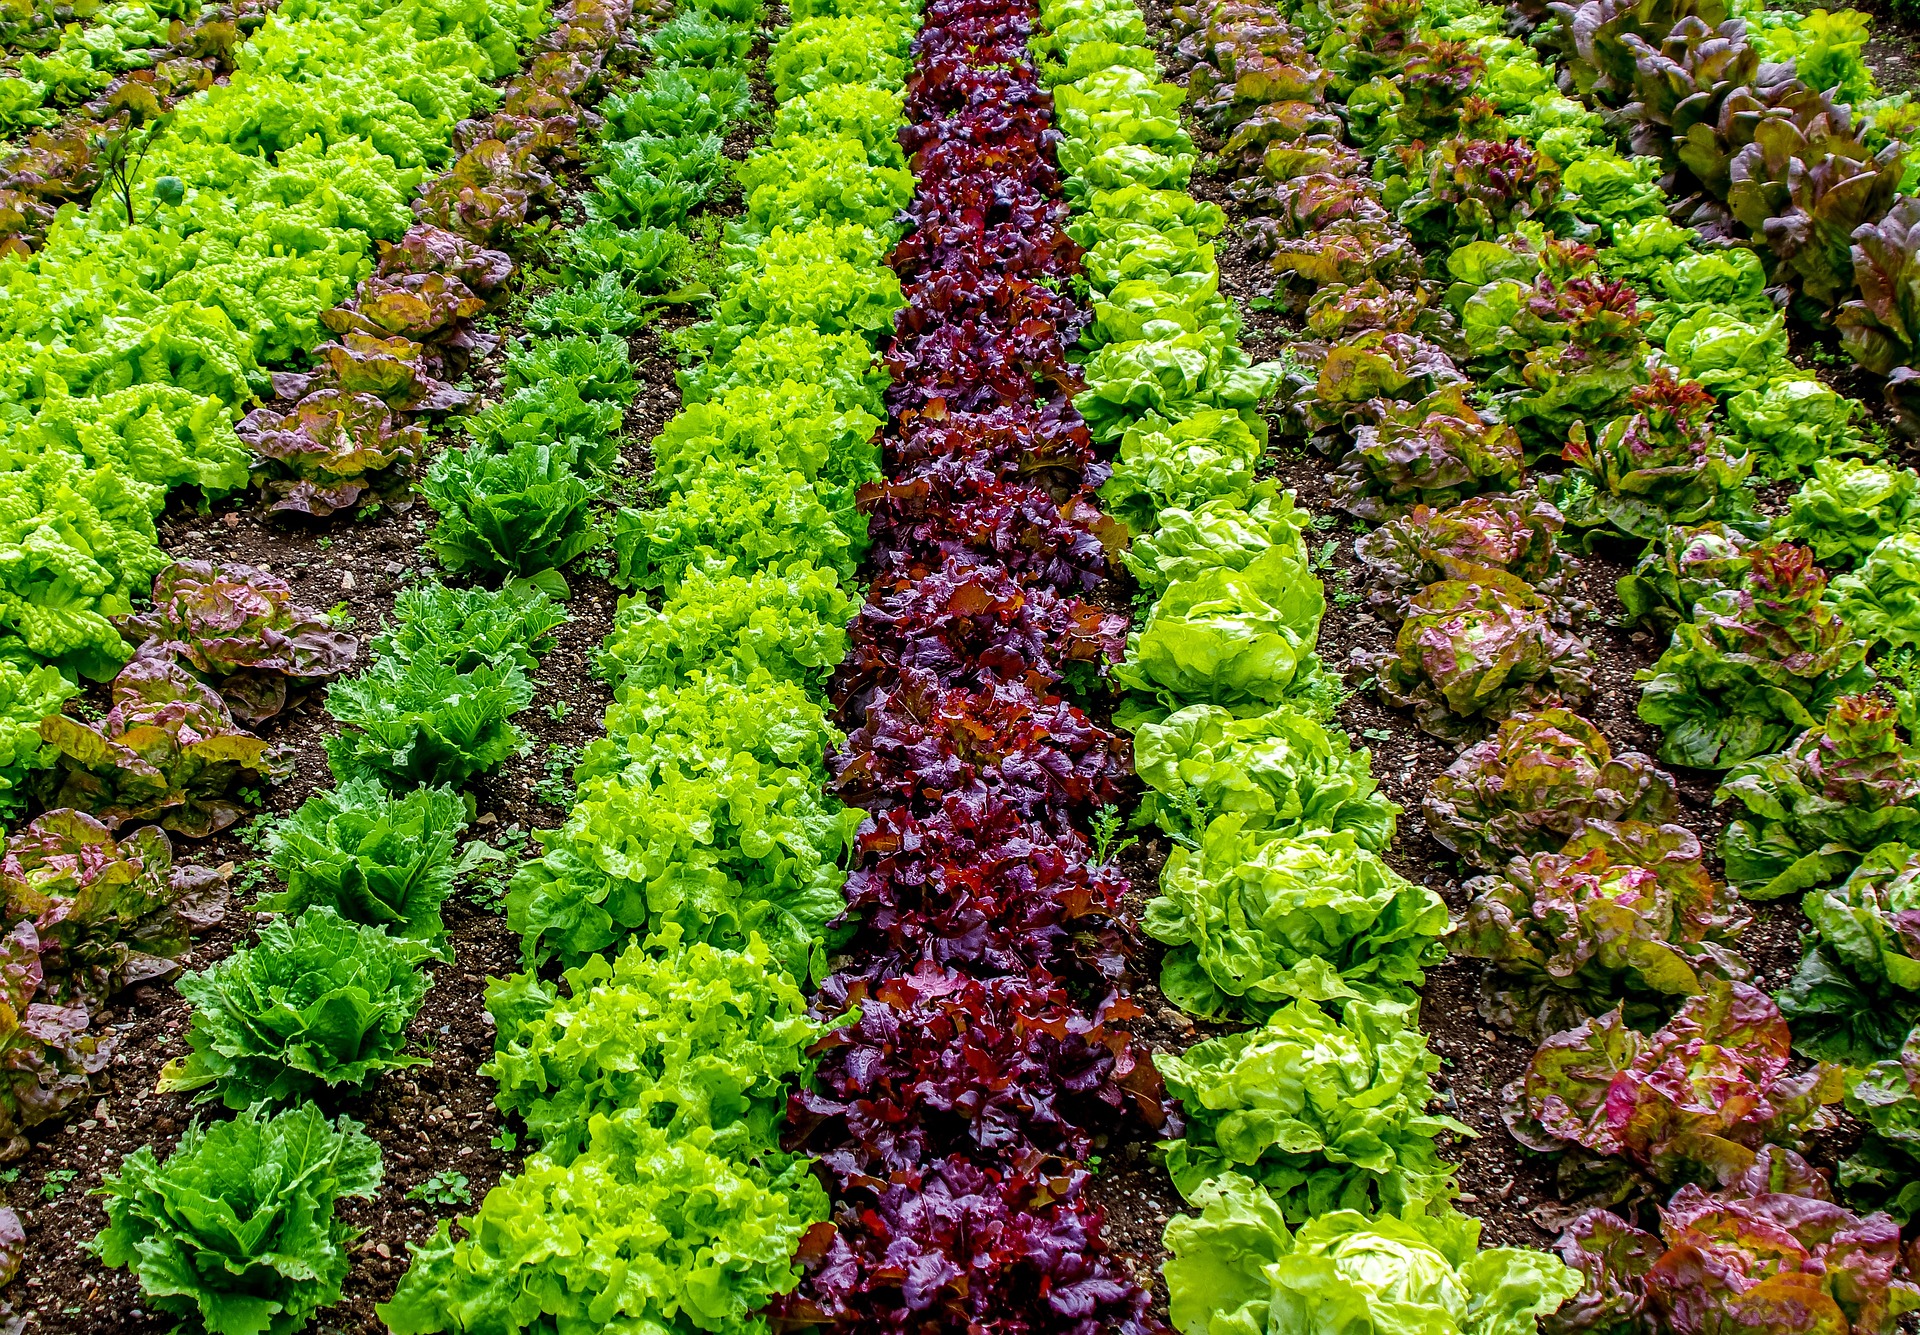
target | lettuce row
[
  {"x": 1274, "y": 907},
  {"x": 690, "y": 889}
]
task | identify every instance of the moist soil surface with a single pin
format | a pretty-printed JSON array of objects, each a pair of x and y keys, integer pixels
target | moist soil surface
[{"x": 436, "y": 1123}]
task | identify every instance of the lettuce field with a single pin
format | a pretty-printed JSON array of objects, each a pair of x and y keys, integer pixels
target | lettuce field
[{"x": 1022, "y": 667}]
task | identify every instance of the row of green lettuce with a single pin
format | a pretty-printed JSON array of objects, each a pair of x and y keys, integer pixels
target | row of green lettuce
[
  {"x": 688, "y": 893},
  {"x": 132, "y": 339},
  {"x": 1309, "y": 1152},
  {"x": 236, "y": 1229}
]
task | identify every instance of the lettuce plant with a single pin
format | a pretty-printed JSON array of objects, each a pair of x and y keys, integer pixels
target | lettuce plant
[
  {"x": 319, "y": 1001},
  {"x": 1222, "y": 532},
  {"x": 1230, "y": 637},
  {"x": 236, "y": 1229},
  {"x": 1680, "y": 568},
  {"x": 1885, "y": 1170},
  {"x": 1694, "y": 1101},
  {"x": 50, "y": 1057},
  {"x": 1880, "y": 327},
  {"x": 417, "y": 722},
  {"x": 1256, "y": 922},
  {"x": 27, "y": 695},
  {"x": 511, "y": 513},
  {"x": 1881, "y": 600},
  {"x": 1625, "y": 911},
  {"x": 1755, "y": 664},
  {"x": 239, "y": 629},
  {"x": 1325, "y": 1113},
  {"x": 107, "y": 913},
  {"x": 1472, "y": 652},
  {"x": 690, "y": 1035},
  {"x": 729, "y": 518},
  {"x": 936, "y": 1062},
  {"x": 1856, "y": 994},
  {"x": 1535, "y": 783},
  {"x": 373, "y": 857},
  {"x": 1848, "y": 506},
  {"x": 1236, "y": 1266},
  {"x": 1812, "y": 811},
  {"x": 1727, "y": 354},
  {"x": 1767, "y": 1251},
  {"x": 1160, "y": 466},
  {"x": 468, "y": 628},
  {"x": 1435, "y": 452},
  {"x": 1662, "y": 466},
  {"x": 673, "y": 1232},
  {"x": 167, "y": 750},
  {"x": 1283, "y": 773},
  {"x": 1794, "y": 421},
  {"x": 1515, "y": 534},
  {"x": 329, "y": 451}
]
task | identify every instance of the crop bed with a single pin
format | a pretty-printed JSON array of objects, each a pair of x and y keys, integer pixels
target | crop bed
[{"x": 993, "y": 665}]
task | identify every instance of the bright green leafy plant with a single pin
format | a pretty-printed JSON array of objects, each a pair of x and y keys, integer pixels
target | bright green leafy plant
[
  {"x": 1282, "y": 772},
  {"x": 420, "y": 722},
  {"x": 373, "y": 857},
  {"x": 1326, "y": 1113},
  {"x": 1257, "y": 922},
  {"x": 1857, "y": 991},
  {"x": 236, "y": 1229},
  {"x": 1881, "y": 600},
  {"x": 320, "y": 1001},
  {"x": 1236, "y": 1267},
  {"x": 1847, "y": 507},
  {"x": 509, "y": 514},
  {"x": 690, "y": 1035}
]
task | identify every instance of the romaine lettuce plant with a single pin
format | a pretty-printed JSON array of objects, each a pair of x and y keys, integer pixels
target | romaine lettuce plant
[
  {"x": 1535, "y": 783},
  {"x": 1880, "y": 328},
  {"x": 1625, "y": 911},
  {"x": 319, "y": 1001},
  {"x": 236, "y": 1229},
  {"x": 1693, "y": 1102},
  {"x": 1812, "y": 811},
  {"x": 1885, "y": 1170},
  {"x": 239, "y": 629},
  {"x": 1755, "y": 664},
  {"x": 167, "y": 750},
  {"x": 1326, "y": 1113},
  {"x": 1472, "y": 652},
  {"x": 370, "y": 856},
  {"x": 1767, "y": 1251},
  {"x": 1235, "y": 1266},
  {"x": 417, "y": 722},
  {"x": 1256, "y": 922},
  {"x": 1284, "y": 773},
  {"x": 690, "y": 1035},
  {"x": 512, "y": 513},
  {"x": 1856, "y": 995},
  {"x": 108, "y": 913},
  {"x": 468, "y": 628}
]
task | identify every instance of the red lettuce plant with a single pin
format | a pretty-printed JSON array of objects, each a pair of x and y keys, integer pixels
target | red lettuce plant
[
  {"x": 1815, "y": 809},
  {"x": 239, "y": 629},
  {"x": 1472, "y": 653},
  {"x": 1535, "y": 783},
  {"x": 1680, "y": 569},
  {"x": 329, "y": 451},
  {"x": 1625, "y": 910},
  {"x": 1768, "y": 1253},
  {"x": 1662, "y": 466},
  {"x": 1880, "y": 328},
  {"x": 108, "y": 913},
  {"x": 1695, "y": 1101},
  {"x": 168, "y": 749},
  {"x": 47, "y": 1057},
  {"x": 1512, "y": 534},
  {"x": 1434, "y": 452}
]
